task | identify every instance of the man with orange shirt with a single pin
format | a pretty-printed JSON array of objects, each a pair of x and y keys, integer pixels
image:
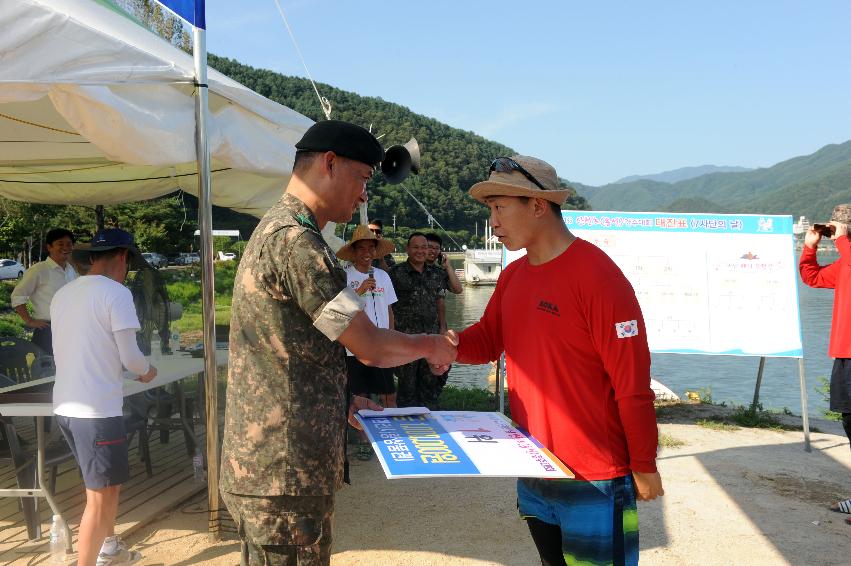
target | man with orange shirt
[{"x": 579, "y": 370}]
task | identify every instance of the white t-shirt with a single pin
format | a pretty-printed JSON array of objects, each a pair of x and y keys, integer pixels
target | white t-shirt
[
  {"x": 375, "y": 304},
  {"x": 89, "y": 374}
]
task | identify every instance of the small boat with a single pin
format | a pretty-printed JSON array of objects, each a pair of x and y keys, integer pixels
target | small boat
[
  {"x": 483, "y": 266},
  {"x": 663, "y": 393}
]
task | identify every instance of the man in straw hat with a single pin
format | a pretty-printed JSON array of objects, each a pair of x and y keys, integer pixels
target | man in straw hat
[
  {"x": 836, "y": 276},
  {"x": 579, "y": 366},
  {"x": 292, "y": 318},
  {"x": 375, "y": 289}
]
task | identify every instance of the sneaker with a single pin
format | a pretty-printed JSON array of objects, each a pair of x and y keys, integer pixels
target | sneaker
[{"x": 121, "y": 556}]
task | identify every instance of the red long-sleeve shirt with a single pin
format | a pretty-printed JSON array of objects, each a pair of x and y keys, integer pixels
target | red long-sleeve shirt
[
  {"x": 577, "y": 386},
  {"x": 835, "y": 276}
]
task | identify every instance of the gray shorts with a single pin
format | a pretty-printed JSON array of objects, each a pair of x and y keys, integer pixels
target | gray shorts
[{"x": 100, "y": 448}]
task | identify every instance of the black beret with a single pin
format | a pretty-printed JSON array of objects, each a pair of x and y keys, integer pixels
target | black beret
[{"x": 344, "y": 139}]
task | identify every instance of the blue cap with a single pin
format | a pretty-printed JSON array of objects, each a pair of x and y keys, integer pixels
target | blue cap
[{"x": 111, "y": 238}]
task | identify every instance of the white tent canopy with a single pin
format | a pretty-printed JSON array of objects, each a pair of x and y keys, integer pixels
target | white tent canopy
[{"x": 95, "y": 109}]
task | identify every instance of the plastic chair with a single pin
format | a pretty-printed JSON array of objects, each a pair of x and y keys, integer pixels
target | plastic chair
[
  {"x": 17, "y": 356},
  {"x": 136, "y": 422},
  {"x": 13, "y": 452}
]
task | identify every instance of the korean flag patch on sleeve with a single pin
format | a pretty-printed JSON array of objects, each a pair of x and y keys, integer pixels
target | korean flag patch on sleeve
[{"x": 627, "y": 329}]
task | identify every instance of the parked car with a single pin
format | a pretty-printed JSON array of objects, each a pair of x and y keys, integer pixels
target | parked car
[
  {"x": 155, "y": 260},
  {"x": 187, "y": 259},
  {"x": 11, "y": 269},
  {"x": 226, "y": 256}
]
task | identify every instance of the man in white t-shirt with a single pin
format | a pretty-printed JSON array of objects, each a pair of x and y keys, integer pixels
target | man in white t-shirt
[
  {"x": 376, "y": 292},
  {"x": 94, "y": 338}
]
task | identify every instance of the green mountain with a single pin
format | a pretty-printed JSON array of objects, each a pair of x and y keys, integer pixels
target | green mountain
[
  {"x": 683, "y": 173},
  {"x": 452, "y": 159},
  {"x": 808, "y": 185}
]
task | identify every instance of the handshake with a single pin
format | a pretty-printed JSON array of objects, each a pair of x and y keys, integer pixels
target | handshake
[{"x": 444, "y": 351}]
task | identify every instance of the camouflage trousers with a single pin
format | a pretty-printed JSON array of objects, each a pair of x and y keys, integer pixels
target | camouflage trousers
[
  {"x": 282, "y": 530},
  {"x": 417, "y": 386}
]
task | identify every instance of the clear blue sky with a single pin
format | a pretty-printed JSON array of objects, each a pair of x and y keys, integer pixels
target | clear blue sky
[{"x": 599, "y": 89}]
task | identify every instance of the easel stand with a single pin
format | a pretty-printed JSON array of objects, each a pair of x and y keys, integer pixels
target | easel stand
[{"x": 805, "y": 416}]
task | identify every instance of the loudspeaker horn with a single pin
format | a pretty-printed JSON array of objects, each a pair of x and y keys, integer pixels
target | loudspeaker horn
[{"x": 400, "y": 161}]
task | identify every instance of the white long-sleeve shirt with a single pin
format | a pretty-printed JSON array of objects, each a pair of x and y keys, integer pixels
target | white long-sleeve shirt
[{"x": 38, "y": 285}]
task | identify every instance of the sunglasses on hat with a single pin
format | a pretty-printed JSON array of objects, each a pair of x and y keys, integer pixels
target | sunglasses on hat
[{"x": 507, "y": 165}]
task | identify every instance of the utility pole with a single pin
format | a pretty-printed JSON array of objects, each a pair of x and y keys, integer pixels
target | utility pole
[
  {"x": 394, "y": 225},
  {"x": 99, "y": 216}
]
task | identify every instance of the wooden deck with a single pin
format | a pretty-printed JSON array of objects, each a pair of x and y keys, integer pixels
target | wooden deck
[{"x": 143, "y": 499}]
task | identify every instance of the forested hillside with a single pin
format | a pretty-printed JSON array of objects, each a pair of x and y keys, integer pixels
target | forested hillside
[
  {"x": 809, "y": 185},
  {"x": 452, "y": 159}
]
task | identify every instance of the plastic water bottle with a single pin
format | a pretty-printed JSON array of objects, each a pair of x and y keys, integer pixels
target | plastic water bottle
[
  {"x": 58, "y": 541},
  {"x": 156, "y": 349},
  {"x": 198, "y": 474},
  {"x": 174, "y": 343}
]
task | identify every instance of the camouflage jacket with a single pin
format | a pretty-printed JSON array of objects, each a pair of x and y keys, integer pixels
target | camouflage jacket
[
  {"x": 286, "y": 399},
  {"x": 415, "y": 311}
]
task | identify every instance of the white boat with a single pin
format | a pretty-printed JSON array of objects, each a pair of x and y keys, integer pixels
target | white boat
[
  {"x": 801, "y": 226},
  {"x": 482, "y": 267},
  {"x": 663, "y": 393}
]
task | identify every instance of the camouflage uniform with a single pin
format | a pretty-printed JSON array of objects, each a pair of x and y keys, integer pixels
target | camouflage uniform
[
  {"x": 285, "y": 423},
  {"x": 415, "y": 312},
  {"x": 388, "y": 260}
]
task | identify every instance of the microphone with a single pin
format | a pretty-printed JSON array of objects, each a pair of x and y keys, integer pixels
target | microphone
[{"x": 370, "y": 273}]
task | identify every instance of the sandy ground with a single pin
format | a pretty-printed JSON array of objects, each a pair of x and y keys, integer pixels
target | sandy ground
[{"x": 732, "y": 497}]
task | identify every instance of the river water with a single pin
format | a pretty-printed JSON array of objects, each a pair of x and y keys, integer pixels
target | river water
[{"x": 731, "y": 378}]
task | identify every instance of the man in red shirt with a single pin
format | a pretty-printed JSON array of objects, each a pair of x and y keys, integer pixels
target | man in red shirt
[
  {"x": 835, "y": 276},
  {"x": 578, "y": 367}
]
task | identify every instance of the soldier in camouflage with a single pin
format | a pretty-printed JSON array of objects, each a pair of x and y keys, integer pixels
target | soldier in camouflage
[
  {"x": 419, "y": 287},
  {"x": 283, "y": 449}
]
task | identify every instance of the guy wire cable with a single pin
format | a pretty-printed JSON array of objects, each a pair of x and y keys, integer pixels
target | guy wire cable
[
  {"x": 436, "y": 221},
  {"x": 323, "y": 102}
]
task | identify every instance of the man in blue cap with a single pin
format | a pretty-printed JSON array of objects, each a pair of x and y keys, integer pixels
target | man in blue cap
[
  {"x": 293, "y": 317},
  {"x": 94, "y": 338}
]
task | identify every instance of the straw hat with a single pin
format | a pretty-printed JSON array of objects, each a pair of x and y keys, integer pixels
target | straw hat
[
  {"x": 362, "y": 232},
  {"x": 514, "y": 183}
]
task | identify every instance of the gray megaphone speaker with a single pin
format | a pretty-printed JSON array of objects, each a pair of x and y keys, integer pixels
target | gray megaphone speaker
[{"x": 400, "y": 161}]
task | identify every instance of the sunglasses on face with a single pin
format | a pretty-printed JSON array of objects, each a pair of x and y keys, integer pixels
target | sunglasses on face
[
  {"x": 376, "y": 231},
  {"x": 507, "y": 165}
]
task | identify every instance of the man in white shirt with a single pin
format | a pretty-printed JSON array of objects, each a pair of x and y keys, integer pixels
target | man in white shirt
[
  {"x": 376, "y": 291},
  {"x": 94, "y": 328},
  {"x": 40, "y": 283}
]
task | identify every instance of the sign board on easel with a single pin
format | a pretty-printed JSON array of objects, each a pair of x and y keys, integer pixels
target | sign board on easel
[
  {"x": 723, "y": 284},
  {"x": 707, "y": 283}
]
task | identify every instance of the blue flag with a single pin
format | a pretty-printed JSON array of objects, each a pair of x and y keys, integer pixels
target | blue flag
[{"x": 190, "y": 10}]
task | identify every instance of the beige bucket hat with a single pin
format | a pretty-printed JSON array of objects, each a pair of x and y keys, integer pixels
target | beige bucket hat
[
  {"x": 516, "y": 176},
  {"x": 842, "y": 213},
  {"x": 362, "y": 232}
]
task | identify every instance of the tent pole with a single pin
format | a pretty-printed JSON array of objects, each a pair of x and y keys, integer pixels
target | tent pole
[
  {"x": 205, "y": 224},
  {"x": 805, "y": 413}
]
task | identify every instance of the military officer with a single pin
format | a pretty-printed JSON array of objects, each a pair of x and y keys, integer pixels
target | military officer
[
  {"x": 292, "y": 318},
  {"x": 419, "y": 289}
]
